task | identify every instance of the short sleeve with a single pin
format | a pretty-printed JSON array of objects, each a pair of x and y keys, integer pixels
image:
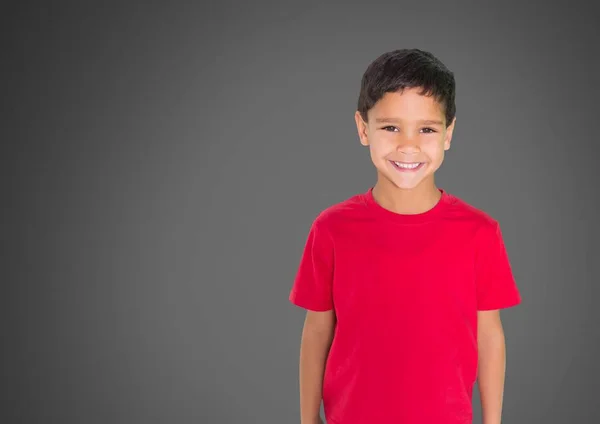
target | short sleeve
[
  {"x": 495, "y": 282},
  {"x": 312, "y": 287}
]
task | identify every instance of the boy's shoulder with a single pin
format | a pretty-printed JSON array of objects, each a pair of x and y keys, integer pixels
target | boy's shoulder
[
  {"x": 462, "y": 210},
  {"x": 348, "y": 209},
  {"x": 472, "y": 221}
]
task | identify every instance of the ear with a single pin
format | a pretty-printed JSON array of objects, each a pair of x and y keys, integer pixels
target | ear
[
  {"x": 448, "y": 137},
  {"x": 361, "y": 126}
]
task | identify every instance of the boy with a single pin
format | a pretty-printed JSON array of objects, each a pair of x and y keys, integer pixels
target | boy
[{"x": 403, "y": 284}]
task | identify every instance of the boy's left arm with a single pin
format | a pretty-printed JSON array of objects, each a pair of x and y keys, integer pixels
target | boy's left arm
[{"x": 492, "y": 365}]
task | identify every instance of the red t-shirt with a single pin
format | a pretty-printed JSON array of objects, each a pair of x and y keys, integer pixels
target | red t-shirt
[{"x": 406, "y": 290}]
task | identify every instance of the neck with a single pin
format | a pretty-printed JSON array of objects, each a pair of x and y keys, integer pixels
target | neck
[{"x": 408, "y": 202}]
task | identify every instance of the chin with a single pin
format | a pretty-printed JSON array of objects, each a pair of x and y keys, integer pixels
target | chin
[
  {"x": 407, "y": 186},
  {"x": 402, "y": 185}
]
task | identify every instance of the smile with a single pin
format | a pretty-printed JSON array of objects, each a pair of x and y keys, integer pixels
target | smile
[{"x": 402, "y": 166}]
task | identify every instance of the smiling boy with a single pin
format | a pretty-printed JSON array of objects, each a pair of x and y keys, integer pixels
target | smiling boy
[{"x": 403, "y": 284}]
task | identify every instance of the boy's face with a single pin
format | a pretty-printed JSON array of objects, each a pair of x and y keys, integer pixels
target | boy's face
[{"x": 407, "y": 137}]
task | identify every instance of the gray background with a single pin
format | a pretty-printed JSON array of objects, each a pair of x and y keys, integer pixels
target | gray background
[{"x": 163, "y": 163}]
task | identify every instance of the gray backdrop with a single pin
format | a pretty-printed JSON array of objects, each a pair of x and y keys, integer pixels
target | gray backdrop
[{"x": 163, "y": 163}]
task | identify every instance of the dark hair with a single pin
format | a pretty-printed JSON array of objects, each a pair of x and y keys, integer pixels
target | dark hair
[{"x": 407, "y": 68}]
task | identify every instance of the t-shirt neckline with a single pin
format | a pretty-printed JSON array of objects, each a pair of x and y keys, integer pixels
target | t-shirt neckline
[{"x": 382, "y": 212}]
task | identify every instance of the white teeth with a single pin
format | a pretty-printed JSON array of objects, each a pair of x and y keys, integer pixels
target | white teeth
[{"x": 407, "y": 165}]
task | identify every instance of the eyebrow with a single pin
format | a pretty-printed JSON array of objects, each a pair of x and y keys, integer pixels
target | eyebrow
[{"x": 396, "y": 120}]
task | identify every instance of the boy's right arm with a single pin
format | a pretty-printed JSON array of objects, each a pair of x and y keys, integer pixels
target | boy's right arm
[{"x": 317, "y": 336}]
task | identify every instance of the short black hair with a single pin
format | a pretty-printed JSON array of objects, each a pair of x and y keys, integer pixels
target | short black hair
[{"x": 408, "y": 68}]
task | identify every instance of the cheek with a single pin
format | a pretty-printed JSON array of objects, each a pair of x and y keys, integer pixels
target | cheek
[
  {"x": 380, "y": 151},
  {"x": 433, "y": 148},
  {"x": 382, "y": 144},
  {"x": 376, "y": 153}
]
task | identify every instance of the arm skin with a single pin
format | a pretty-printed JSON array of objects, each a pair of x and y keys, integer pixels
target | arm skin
[
  {"x": 317, "y": 336},
  {"x": 492, "y": 365}
]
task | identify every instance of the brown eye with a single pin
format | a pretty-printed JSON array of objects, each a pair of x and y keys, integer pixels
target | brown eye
[
  {"x": 430, "y": 129},
  {"x": 389, "y": 128}
]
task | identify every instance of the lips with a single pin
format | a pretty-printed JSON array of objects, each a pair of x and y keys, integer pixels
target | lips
[{"x": 407, "y": 166}]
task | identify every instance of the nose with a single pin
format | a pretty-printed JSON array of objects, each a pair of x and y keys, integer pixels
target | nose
[{"x": 408, "y": 145}]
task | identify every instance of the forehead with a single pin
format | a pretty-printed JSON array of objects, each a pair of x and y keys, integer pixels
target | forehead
[{"x": 407, "y": 105}]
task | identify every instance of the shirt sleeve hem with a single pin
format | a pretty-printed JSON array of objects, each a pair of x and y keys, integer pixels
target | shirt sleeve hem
[
  {"x": 509, "y": 303},
  {"x": 310, "y": 305}
]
